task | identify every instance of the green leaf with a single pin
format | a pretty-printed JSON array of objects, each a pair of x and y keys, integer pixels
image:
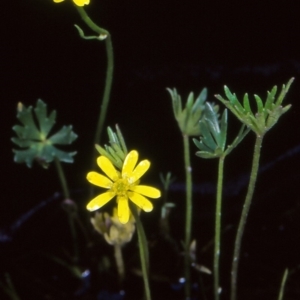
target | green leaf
[
  {"x": 64, "y": 136},
  {"x": 118, "y": 151},
  {"x": 33, "y": 138},
  {"x": 233, "y": 99},
  {"x": 190, "y": 101},
  {"x": 113, "y": 138},
  {"x": 207, "y": 155},
  {"x": 206, "y": 136},
  {"x": 199, "y": 103},
  {"x": 247, "y": 104},
  {"x": 45, "y": 123},
  {"x": 176, "y": 102},
  {"x": 202, "y": 146},
  {"x": 122, "y": 140},
  {"x": 259, "y": 103},
  {"x": 29, "y": 130},
  {"x": 270, "y": 98},
  {"x": 284, "y": 90},
  {"x": 212, "y": 122},
  {"x": 223, "y": 133}
]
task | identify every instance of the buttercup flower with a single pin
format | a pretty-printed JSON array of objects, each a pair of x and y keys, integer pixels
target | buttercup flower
[
  {"x": 124, "y": 185},
  {"x": 77, "y": 2}
]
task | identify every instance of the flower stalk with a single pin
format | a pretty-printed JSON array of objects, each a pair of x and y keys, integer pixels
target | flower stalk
[
  {"x": 212, "y": 144},
  {"x": 283, "y": 282},
  {"x": 102, "y": 34},
  {"x": 144, "y": 254},
  {"x": 188, "y": 216},
  {"x": 119, "y": 261},
  {"x": 266, "y": 116},
  {"x": 71, "y": 219},
  {"x": 217, "y": 248},
  {"x": 243, "y": 219}
]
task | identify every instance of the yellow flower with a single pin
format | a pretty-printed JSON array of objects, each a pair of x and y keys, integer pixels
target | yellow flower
[
  {"x": 77, "y": 2},
  {"x": 123, "y": 185}
]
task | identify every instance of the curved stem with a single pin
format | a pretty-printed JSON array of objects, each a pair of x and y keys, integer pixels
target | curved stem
[
  {"x": 109, "y": 75},
  {"x": 217, "y": 250},
  {"x": 242, "y": 223},
  {"x": 188, "y": 217},
  {"x": 144, "y": 254},
  {"x": 89, "y": 21}
]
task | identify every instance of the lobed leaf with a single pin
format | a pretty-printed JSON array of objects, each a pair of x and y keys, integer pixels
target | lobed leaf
[{"x": 259, "y": 103}]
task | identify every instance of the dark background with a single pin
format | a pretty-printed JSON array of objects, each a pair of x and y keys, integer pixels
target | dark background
[{"x": 248, "y": 45}]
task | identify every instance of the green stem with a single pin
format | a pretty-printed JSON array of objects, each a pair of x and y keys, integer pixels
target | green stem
[
  {"x": 88, "y": 21},
  {"x": 282, "y": 286},
  {"x": 107, "y": 90},
  {"x": 108, "y": 80},
  {"x": 66, "y": 193},
  {"x": 188, "y": 217},
  {"x": 217, "y": 250},
  {"x": 109, "y": 71},
  {"x": 119, "y": 262},
  {"x": 144, "y": 255},
  {"x": 245, "y": 211},
  {"x": 62, "y": 178},
  {"x": 9, "y": 288}
]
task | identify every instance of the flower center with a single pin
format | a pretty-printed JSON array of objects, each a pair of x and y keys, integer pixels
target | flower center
[{"x": 120, "y": 187}]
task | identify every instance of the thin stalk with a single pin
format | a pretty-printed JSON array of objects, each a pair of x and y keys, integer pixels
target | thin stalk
[
  {"x": 108, "y": 79},
  {"x": 283, "y": 282},
  {"x": 109, "y": 71},
  {"x": 144, "y": 254},
  {"x": 217, "y": 250},
  {"x": 66, "y": 193},
  {"x": 62, "y": 178},
  {"x": 188, "y": 216},
  {"x": 119, "y": 262},
  {"x": 245, "y": 211},
  {"x": 107, "y": 90},
  {"x": 9, "y": 288},
  {"x": 88, "y": 21}
]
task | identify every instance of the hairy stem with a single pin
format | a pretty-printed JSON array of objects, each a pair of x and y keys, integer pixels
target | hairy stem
[
  {"x": 243, "y": 219},
  {"x": 217, "y": 250},
  {"x": 188, "y": 216}
]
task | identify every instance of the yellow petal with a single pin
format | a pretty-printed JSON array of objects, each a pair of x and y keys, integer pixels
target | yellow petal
[
  {"x": 107, "y": 167},
  {"x": 123, "y": 210},
  {"x": 146, "y": 191},
  {"x": 100, "y": 200},
  {"x": 139, "y": 171},
  {"x": 129, "y": 163},
  {"x": 58, "y": 1},
  {"x": 99, "y": 180},
  {"x": 81, "y": 2},
  {"x": 140, "y": 201}
]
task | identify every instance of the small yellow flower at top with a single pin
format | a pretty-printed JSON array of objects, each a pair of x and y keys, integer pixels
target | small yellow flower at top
[
  {"x": 124, "y": 185},
  {"x": 77, "y": 2}
]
